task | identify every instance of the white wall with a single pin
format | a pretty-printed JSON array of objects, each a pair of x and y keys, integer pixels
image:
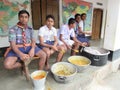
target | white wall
[
  {"x": 112, "y": 32},
  {"x": 4, "y": 42}
]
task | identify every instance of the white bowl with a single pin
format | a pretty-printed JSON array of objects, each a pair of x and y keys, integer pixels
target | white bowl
[
  {"x": 68, "y": 72},
  {"x": 80, "y": 62}
]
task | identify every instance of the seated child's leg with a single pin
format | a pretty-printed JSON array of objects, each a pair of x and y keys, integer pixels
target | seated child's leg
[
  {"x": 62, "y": 50},
  {"x": 11, "y": 63},
  {"x": 75, "y": 47},
  {"x": 42, "y": 55},
  {"x": 48, "y": 53}
]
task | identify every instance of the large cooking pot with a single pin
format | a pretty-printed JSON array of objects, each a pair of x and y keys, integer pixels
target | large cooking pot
[
  {"x": 63, "y": 72},
  {"x": 98, "y": 56}
]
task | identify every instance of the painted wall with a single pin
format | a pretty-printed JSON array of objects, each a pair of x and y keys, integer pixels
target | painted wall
[
  {"x": 9, "y": 9},
  {"x": 72, "y": 7},
  {"x": 4, "y": 40},
  {"x": 95, "y": 5}
]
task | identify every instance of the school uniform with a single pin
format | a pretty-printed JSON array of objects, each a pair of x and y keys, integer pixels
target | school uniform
[
  {"x": 48, "y": 35},
  {"x": 15, "y": 35},
  {"x": 80, "y": 36},
  {"x": 66, "y": 33}
]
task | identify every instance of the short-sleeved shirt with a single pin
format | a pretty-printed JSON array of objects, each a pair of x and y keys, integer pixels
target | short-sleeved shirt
[
  {"x": 76, "y": 28},
  {"x": 15, "y": 34},
  {"x": 66, "y": 32},
  {"x": 48, "y": 35},
  {"x": 81, "y": 25}
]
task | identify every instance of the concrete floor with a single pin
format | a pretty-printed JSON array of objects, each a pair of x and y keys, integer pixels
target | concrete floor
[{"x": 13, "y": 80}]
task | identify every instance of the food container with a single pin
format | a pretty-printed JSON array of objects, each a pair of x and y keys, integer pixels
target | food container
[
  {"x": 80, "y": 62},
  {"x": 38, "y": 78},
  {"x": 63, "y": 72},
  {"x": 98, "y": 56}
]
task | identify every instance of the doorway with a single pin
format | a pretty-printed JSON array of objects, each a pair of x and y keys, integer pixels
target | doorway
[
  {"x": 41, "y": 8},
  {"x": 97, "y": 23}
]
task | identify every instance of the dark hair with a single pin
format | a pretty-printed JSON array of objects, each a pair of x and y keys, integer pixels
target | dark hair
[
  {"x": 23, "y": 12},
  {"x": 83, "y": 14},
  {"x": 50, "y": 16},
  {"x": 76, "y": 15},
  {"x": 71, "y": 21}
]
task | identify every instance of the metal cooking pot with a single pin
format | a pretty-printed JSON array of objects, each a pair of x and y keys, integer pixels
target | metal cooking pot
[
  {"x": 78, "y": 59},
  {"x": 98, "y": 56},
  {"x": 63, "y": 78}
]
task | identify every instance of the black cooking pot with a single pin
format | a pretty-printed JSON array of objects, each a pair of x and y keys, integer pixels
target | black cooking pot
[{"x": 98, "y": 56}]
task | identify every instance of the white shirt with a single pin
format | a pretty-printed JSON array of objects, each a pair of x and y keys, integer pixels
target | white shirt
[
  {"x": 81, "y": 25},
  {"x": 66, "y": 32},
  {"x": 48, "y": 35}
]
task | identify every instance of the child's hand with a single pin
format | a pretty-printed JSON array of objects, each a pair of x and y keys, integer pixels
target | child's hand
[
  {"x": 24, "y": 57},
  {"x": 68, "y": 46},
  {"x": 84, "y": 44},
  {"x": 55, "y": 48}
]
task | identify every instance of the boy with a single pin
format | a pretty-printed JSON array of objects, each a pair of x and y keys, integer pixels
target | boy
[
  {"x": 77, "y": 19},
  {"x": 80, "y": 28},
  {"x": 64, "y": 35},
  {"x": 22, "y": 44},
  {"x": 48, "y": 40}
]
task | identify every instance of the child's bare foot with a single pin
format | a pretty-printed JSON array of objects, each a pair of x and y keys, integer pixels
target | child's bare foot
[{"x": 47, "y": 67}]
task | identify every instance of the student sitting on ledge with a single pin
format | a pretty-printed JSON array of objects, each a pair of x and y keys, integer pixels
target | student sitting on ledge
[
  {"x": 22, "y": 44},
  {"x": 64, "y": 36},
  {"x": 47, "y": 40}
]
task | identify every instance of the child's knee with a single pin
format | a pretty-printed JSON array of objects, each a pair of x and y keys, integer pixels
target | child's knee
[
  {"x": 41, "y": 54},
  {"x": 7, "y": 66}
]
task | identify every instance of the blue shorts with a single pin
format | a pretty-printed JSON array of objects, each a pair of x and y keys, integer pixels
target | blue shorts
[
  {"x": 22, "y": 49},
  {"x": 82, "y": 38},
  {"x": 47, "y": 42}
]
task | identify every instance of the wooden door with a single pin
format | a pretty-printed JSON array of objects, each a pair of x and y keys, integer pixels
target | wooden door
[
  {"x": 97, "y": 23},
  {"x": 36, "y": 13},
  {"x": 53, "y": 8},
  {"x": 41, "y": 8}
]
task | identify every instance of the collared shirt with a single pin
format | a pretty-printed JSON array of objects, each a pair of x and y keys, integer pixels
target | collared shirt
[
  {"x": 15, "y": 34},
  {"x": 77, "y": 27},
  {"x": 66, "y": 32},
  {"x": 48, "y": 35},
  {"x": 81, "y": 24}
]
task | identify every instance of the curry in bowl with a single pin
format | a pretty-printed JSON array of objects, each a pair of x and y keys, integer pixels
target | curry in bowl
[
  {"x": 37, "y": 75},
  {"x": 63, "y": 70},
  {"x": 80, "y": 62}
]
